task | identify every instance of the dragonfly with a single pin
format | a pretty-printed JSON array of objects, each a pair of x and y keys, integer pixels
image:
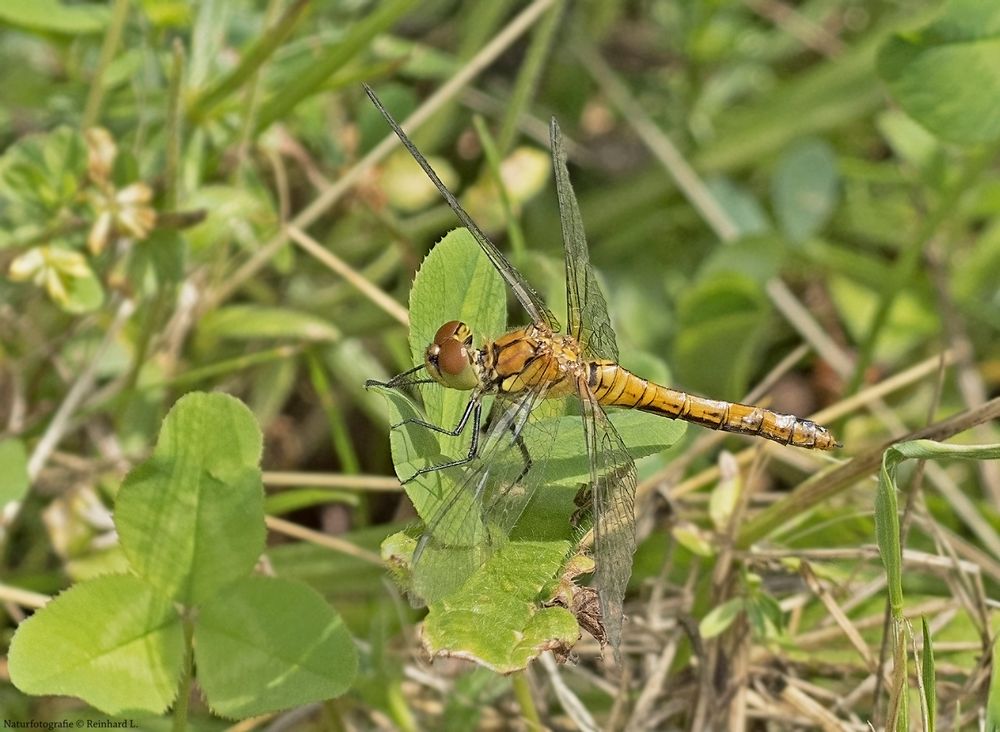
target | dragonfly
[{"x": 530, "y": 365}]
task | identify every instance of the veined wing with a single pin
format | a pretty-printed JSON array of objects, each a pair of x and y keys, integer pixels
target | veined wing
[
  {"x": 586, "y": 309},
  {"x": 482, "y": 502},
  {"x": 524, "y": 292},
  {"x": 612, "y": 502}
]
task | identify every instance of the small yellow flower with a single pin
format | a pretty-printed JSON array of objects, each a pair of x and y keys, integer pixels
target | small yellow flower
[
  {"x": 51, "y": 268},
  {"x": 101, "y": 153},
  {"x": 126, "y": 212},
  {"x": 123, "y": 212}
]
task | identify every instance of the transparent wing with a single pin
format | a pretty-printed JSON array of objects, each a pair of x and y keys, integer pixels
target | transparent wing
[
  {"x": 586, "y": 309},
  {"x": 524, "y": 292},
  {"x": 612, "y": 502},
  {"x": 481, "y": 502}
]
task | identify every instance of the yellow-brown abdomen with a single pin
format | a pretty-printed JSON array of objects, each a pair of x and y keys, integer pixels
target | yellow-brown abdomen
[{"x": 618, "y": 387}]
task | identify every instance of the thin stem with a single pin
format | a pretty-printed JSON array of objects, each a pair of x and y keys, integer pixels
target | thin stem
[
  {"x": 92, "y": 110},
  {"x": 522, "y": 692},
  {"x": 493, "y": 162},
  {"x": 527, "y": 77},
  {"x": 187, "y": 677}
]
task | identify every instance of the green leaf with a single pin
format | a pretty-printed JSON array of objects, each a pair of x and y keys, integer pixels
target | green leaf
[
  {"x": 720, "y": 617},
  {"x": 495, "y": 619},
  {"x": 268, "y": 644},
  {"x": 944, "y": 74},
  {"x": 740, "y": 204},
  {"x": 928, "y": 677},
  {"x": 887, "y": 533},
  {"x": 993, "y": 698},
  {"x": 191, "y": 517},
  {"x": 805, "y": 187},
  {"x": 251, "y": 322},
  {"x": 567, "y": 462},
  {"x": 40, "y": 174},
  {"x": 83, "y": 294},
  {"x": 723, "y": 323},
  {"x": 111, "y": 641},
  {"x": 886, "y": 509},
  {"x": 355, "y": 41},
  {"x": 14, "y": 471},
  {"x": 50, "y": 16},
  {"x": 456, "y": 281}
]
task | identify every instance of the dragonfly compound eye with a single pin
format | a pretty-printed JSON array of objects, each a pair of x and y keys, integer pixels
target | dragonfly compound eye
[
  {"x": 449, "y": 357},
  {"x": 453, "y": 358},
  {"x": 453, "y": 330}
]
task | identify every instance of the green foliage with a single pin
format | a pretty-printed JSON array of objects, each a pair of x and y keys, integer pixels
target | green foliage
[
  {"x": 52, "y": 16},
  {"x": 14, "y": 469},
  {"x": 495, "y": 618},
  {"x": 113, "y": 641},
  {"x": 851, "y": 149},
  {"x": 191, "y": 524},
  {"x": 943, "y": 73},
  {"x": 804, "y": 188}
]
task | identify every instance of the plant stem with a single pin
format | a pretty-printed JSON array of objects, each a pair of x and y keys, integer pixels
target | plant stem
[
  {"x": 119, "y": 13},
  {"x": 187, "y": 676},
  {"x": 522, "y": 692}
]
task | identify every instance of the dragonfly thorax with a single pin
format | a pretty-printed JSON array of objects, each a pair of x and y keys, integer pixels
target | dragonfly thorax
[{"x": 449, "y": 358}]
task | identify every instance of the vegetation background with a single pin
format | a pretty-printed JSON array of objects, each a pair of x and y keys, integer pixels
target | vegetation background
[{"x": 793, "y": 200}]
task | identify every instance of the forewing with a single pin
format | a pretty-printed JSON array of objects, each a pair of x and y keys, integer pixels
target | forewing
[
  {"x": 586, "y": 309},
  {"x": 612, "y": 493},
  {"x": 482, "y": 501},
  {"x": 524, "y": 292}
]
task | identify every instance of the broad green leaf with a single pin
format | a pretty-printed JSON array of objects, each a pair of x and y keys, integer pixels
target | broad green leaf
[
  {"x": 83, "y": 294},
  {"x": 191, "y": 517},
  {"x": 567, "y": 462},
  {"x": 456, "y": 281},
  {"x": 758, "y": 258},
  {"x": 724, "y": 320},
  {"x": 721, "y": 617},
  {"x": 267, "y": 644},
  {"x": 252, "y": 322},
  {"x": 503, "y": 629},
  {"x": 112, "y": 641},
  {"x": 40, "y": 174},
  {"x": 944, "y": 74},
  {"x": 50, "y": 16},
  {"x": 804, "y": 189},
  {"x": 740, "y": 205},
  {"x": 13, "y": 471}
]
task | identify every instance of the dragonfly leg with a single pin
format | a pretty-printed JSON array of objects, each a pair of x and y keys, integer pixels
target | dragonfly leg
[
  {"x": 459, "y": 428},
  {"x": 475, "y": 408},
  {"x": 399, "y": 380},
  {"x": 525, "y": 455}
]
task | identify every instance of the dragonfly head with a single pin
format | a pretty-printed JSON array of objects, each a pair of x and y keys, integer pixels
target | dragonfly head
[{"x": 449, "y": 358}]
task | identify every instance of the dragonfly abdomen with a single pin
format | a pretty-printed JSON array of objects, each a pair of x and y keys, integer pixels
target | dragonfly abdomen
[{"x": 615, "y": 386}]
